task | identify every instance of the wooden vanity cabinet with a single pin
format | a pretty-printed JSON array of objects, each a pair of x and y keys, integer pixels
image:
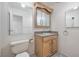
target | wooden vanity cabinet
[{"x": 45, "y": 45}]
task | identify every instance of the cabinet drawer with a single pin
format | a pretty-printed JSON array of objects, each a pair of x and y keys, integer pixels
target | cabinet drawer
[{"x": 50, "y": 37}]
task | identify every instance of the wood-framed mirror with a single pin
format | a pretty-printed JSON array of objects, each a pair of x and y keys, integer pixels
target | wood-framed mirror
[{"x": 42, "y": 16}]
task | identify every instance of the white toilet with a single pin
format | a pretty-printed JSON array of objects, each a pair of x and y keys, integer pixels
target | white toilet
[{"x": 19, "y": 48}]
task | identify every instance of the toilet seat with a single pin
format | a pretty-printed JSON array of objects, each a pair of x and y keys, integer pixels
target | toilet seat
[{"x": 24, "y": 54}]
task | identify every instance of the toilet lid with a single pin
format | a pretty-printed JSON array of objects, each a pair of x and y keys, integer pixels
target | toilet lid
[{"x": 24, "y": 54}]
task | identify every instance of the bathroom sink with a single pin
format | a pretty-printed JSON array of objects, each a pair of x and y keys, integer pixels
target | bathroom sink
[{"x": 46, "y": 34}]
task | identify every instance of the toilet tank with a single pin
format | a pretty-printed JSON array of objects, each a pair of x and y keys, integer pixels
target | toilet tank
[{"x": 19, "y": 46}]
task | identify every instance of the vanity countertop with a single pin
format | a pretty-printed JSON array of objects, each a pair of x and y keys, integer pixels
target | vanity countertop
[{"x": 46, "y": 34}]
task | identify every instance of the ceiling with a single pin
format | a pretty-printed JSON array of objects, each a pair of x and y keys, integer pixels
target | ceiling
[
  {"x": 17, "y": 5},
  {"x": 28, "y": 5}
]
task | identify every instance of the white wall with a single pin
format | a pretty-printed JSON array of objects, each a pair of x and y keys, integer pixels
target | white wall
[
  {"x": 27, "y": 24},
  {"x": 4, "y": 30},
  {"x": 68, "y": 44},
  {"x": 0, "y": 30}
]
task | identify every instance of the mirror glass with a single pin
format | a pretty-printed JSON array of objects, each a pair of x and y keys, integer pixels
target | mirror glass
[
  {"x": 43, "y": 19},
  {"x": 72, "y": 18}
]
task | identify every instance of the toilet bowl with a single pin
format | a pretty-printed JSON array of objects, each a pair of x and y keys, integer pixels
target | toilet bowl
[
  {"x": 19, "y": 48},
  {"x": 24, "y": 54}
]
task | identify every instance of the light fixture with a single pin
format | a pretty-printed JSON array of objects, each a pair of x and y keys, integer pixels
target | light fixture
[
  {"x": 75, "y": 7},
  {"x": 23, "y": 5},
  {"x": 26, "y": 4}
]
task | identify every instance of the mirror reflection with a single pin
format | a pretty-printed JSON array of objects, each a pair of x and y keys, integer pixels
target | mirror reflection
[
  {"x": 72, "y": 17},
  {"x": 42, "y": 18}
]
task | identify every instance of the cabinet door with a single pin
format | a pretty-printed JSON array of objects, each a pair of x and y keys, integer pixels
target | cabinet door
[
  {"x": 54, "y": 49},
  {"x": 47, "y": 47},
  {"x": 38, "y": 46}
]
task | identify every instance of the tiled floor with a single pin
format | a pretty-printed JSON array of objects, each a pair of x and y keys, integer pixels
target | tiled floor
[
  {"x": 55, "y": 55},
  {"x": 59, "y": 55}
]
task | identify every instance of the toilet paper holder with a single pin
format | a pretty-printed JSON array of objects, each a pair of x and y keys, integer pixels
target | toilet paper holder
[{"x": 30, "y": 40}]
